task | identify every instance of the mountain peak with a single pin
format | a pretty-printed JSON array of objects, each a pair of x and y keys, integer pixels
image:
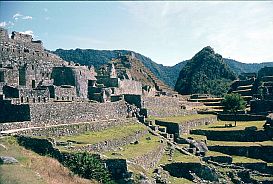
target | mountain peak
[{"x": 205, "y": 73}]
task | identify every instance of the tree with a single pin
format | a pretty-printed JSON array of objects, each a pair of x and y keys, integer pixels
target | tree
[{"x": 233, "y": 103}]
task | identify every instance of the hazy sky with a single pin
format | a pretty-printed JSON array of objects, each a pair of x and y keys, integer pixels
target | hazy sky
[{"x": 167, "y": 32}]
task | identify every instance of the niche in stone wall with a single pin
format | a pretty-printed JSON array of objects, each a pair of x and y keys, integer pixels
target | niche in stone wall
[
  {"x": 22, "y": 77},
  {"x": 2, "y": 77},
  {"x": 33, "y": 83}
]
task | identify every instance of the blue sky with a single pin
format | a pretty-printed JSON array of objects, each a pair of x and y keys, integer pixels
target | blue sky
[{"x": 167, "y": 32}]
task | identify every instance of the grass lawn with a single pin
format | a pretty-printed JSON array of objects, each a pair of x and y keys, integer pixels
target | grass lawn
[
  {"x": 108, "y": 134},
  {"x": 241, "y": 125},
  {"x": 179, "y": 157},
  {"x": 133, "y": 150},
  {"x": 231, "y": 143},
  {"x": 175, "y": 180},
  {"x": 181, "y": 119},
  {"x": 263, "y": 178},
  {"x": 194, "y": 136},
  {"x": 215, "y": 153},
  {"x": 33, "y": 168},
  {"x": 241, "y": 159}
]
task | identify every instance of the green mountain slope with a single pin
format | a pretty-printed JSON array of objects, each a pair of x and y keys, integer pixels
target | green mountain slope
[
  {"x": 205, "y": 73},
  {"x": 168, "y": 74}
]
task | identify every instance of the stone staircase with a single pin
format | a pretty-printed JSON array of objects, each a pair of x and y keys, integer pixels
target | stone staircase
[
  {"x": 213, "y": 104},
  {"x": 161, "y": 130},
  {"x": 245, "y": 88}
]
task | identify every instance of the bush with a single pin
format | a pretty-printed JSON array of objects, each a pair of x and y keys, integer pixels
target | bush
[{"x": 88, "y": 166}]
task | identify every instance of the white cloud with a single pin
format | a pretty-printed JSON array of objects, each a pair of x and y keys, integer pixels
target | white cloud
[
  {"x": 45, "y": 10},
  {"x": 6, "y": 24},
  {"x": 3, "y": 24},
  {"x": 240, "y": 30},
  {"x": 27, "y": 17},
  {"x": 17, "y": 15},
  {"x": 47, "y": 18},
  {"x": 29, "y": 32}
]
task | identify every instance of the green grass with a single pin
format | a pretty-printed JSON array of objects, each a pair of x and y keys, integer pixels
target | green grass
[
  {"x": 194, "y": 136},
  {"x": 262, "y": 178},
  {"x": 241, "y": 159},
  {"x": 215, "y": 154},
  {"x": 17, "y": 174},
  {"x": 231, "y": 143},
  {"x": 135, "y": 150},
  {"x": 175, "y": 180},
  {"x": 241, "y": 125},
  {"x": 33, "y": 168},
  {"x": 181, "y": 119},
  {"x": 108, "y": 134},
  {"x": 179, "y": 157},
  {"x": 270, "y": 164}
]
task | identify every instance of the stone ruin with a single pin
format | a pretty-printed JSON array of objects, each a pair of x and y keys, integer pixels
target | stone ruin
[
  {"x": 33, "y": 79},
  {"x": 256, "y": 89}
]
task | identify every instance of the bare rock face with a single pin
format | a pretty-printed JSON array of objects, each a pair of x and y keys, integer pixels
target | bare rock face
[{"x": 8, "y": 160}]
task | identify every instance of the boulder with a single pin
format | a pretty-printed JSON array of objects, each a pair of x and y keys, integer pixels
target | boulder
[{"x": 8, "y": 160}]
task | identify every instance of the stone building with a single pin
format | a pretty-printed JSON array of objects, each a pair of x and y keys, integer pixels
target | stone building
[{"x": 32, "y": 77}]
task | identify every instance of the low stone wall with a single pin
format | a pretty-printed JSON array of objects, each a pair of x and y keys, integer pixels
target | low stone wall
[
  {"x": 219, "y": 159},
  {"x": 236, "y": 135},
  {"x": 150, "y": 159},
  {"x": 164, "y": 106},
  {"x": 258, "y": 166},
  {"x": 76, "y": 129},
  {"x": 241, "y": 117},
  {"x": 42, "y": 114},
  {"x": 183, "y": 170},
  {"x": 184, "y": 127},
  {"x": 259, "y": 152},
  {"x": 107, "y": 145}
]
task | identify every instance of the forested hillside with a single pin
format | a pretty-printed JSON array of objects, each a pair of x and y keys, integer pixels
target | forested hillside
[
  {"x": 205, "y": 73},
  {"x": 168, "y": 74}
]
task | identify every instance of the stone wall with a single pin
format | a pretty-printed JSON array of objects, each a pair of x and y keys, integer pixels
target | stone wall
[
  {"x": 241, "y": 117},
  {"x": 130, "y": 87},
  {"x": 67, "y": 112},
  {"x": 10, "y": 76},
  {"x": 67, "y": 93},
  {"x": 77, "y": 128},
  {"x": 164, "y": 106},
  {"x": 259, "y": 152},
  {"x": 150, "y": 159},
  {"x": 183, "y": 170},
  {"x": 107, "y": 145},
  {"x": 63, "y": 112},
  {"x": 236, "y": 135},
  {"x": 184, "y": 127}
]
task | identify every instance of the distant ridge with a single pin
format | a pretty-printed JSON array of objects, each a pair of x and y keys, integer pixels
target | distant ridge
[{"x": 167, "y": 74}]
